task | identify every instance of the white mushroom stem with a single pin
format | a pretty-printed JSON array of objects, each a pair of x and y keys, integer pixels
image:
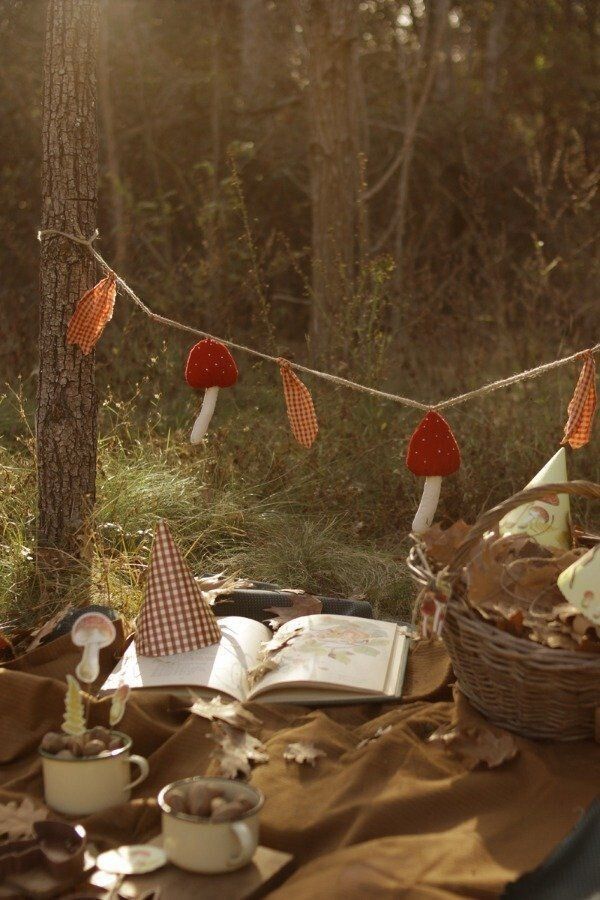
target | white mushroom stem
[
  {"x": 205, "y": 415},
  {"x": 89, "y": 667},
  {"x": 428, "y": 505}
]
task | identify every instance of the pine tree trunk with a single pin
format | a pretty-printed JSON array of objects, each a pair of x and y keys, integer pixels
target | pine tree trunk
[
  {"x": 67, "y": 402},
  {"x": 336, "y": 124}
]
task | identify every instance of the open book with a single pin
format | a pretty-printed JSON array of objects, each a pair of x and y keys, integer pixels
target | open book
[{"x": 328, "y": 659}]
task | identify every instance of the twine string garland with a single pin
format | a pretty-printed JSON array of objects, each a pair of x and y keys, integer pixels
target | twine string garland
[{"x": 482, "y": 391}]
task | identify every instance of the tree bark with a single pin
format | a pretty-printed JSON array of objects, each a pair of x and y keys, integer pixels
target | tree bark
[
  {"x": 67, "y": 401},
  {"x": 119, "y": 225},
  {"x": 337, "y": 138}
]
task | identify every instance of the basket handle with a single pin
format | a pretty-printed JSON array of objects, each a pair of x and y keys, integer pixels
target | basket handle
[{"x": 488, "y": 520}]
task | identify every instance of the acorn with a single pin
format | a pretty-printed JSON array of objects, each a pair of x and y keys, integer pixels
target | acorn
[
  {"x": 176, "y": 800},
  {"x": 52, "y": 742},
  {"x": 228, "y": 811},
  {"x": 64, "y": 754},
  {"x": 74, "y": 745},
  {"x": 94, "y": 748},
  {"x": 100, "y": 733},
  {"x": 199, "y": 799}
]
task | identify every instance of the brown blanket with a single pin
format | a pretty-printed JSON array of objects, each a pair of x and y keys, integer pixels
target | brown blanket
[{"x": 397, "y": 818}]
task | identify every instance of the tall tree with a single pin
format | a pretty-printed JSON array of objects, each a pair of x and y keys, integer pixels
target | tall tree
[
  {"x": 337, "y": 137},
  {"x": 67, "y": 401}
]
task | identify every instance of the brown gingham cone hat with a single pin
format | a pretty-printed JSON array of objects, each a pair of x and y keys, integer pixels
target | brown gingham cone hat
[{"x": 175, "y": 617}]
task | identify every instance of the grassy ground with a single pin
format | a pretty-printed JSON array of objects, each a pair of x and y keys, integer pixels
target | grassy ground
[{"x": 251, "y": 501}]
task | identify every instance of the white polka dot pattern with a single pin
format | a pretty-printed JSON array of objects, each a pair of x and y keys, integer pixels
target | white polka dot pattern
[{"x": 433, "y": 449}]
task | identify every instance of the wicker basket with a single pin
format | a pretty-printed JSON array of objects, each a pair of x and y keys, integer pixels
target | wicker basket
[{"x": 520, "y": 685}]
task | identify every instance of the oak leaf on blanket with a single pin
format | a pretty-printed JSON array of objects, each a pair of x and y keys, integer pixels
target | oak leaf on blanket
[
  {"x": 302, "y": 752},
  {"x": 17, "y": 819},
  {"x": 236, "y": 751}
]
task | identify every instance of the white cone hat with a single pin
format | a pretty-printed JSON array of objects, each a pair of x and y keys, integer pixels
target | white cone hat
[
  {"x": 580, "y": 584},
  {"x": 547, "y": 520},
  {"x": 175, "y": 617}
]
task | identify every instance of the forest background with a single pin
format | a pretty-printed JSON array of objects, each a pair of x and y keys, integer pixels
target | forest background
[{"x": 400, "y": 193}]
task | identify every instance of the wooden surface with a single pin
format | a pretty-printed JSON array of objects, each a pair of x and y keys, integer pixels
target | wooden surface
[
  {"x": 39, "y": 884},
  {"x": 268, "y": 869}
]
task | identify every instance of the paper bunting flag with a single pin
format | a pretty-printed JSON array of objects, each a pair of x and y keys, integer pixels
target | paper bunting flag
[
  {"x": 300, "y": 407},
  {"x": 175, "y": 618},
  {"x": 582, "y": 407},
  {"x": 92, "y": 313},
  {"x": 580, "y": 584},
  {"x": 547, "y": 520}
]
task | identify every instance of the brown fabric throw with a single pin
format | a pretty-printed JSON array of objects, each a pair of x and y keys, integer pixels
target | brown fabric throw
[{"x": 397, "y": 818}]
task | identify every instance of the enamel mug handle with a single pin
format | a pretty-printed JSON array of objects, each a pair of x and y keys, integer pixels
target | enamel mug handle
[
  {"x": 143, "y": 767},
  {"x": 246, "y": 842}
]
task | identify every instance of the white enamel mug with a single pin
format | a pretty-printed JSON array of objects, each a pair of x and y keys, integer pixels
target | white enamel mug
[
  {"x": 86, "y": 785},
  {"x": 199, "y": 845}
]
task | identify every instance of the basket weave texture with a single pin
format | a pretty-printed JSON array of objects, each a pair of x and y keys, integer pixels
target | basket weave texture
[{"x": 520, "y": 685}]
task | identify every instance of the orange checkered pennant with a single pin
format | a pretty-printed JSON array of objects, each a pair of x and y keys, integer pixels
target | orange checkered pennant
[
  {"x": 92, "y": 313},
  {"x": 300, "y": 407},
  {"x": 582, "y": 407}
]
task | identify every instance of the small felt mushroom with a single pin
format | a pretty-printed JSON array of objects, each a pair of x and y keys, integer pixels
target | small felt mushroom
[
  {"x": 92, "y": 631},
  {"x": 209, "y": 366},
  {"x": 432, "y": 452}
]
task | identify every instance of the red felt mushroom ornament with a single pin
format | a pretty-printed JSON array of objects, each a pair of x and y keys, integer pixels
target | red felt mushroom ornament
[
  {"x": 432, "y": 452},
  {"x": 209, "y": 366}
]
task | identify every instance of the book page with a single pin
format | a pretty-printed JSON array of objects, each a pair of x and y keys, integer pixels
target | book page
[
  {"x": 221, "y": 667},
  {"x": 334, "y": 651}
]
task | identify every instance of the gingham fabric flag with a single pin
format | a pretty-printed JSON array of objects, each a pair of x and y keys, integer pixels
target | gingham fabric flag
[
  {"x": 175, "y": 617},
  {"x": 582, "y": 407},
  {"x": 92, "y": 313},
  {"x": 300, "y": 408}
]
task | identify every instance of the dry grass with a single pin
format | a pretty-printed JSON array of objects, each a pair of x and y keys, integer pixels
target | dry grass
[{"x": 253, "y": 502}]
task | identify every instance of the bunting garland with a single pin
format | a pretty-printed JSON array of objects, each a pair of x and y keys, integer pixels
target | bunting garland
[
  {"x": 582, "y": 407},
  {"x": 92, "y": 313},
  {"x": 300, "y": 407},
  {"x": 94, "y": 310}
]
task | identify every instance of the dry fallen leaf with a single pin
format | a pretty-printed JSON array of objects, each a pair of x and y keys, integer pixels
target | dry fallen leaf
[
  {"x": 16, "y": 821},
  {"x": 484, "y": 577},
  {"x": 476, "y": 746},
  {"x": 301, "y": 605},
  {"x": 262, "y": 668},
  {"x": 232, "y": 713},
  {"x": 214, "y": 587},
  {"x": 369, "y": 740},
  {"x": 302, "y": 752},
  {"x": 236, "y": 750},
  {"x": 279, "y": 641},
  {"x": 48, "y": 627},
  {"x": 441, "y": 545}
]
